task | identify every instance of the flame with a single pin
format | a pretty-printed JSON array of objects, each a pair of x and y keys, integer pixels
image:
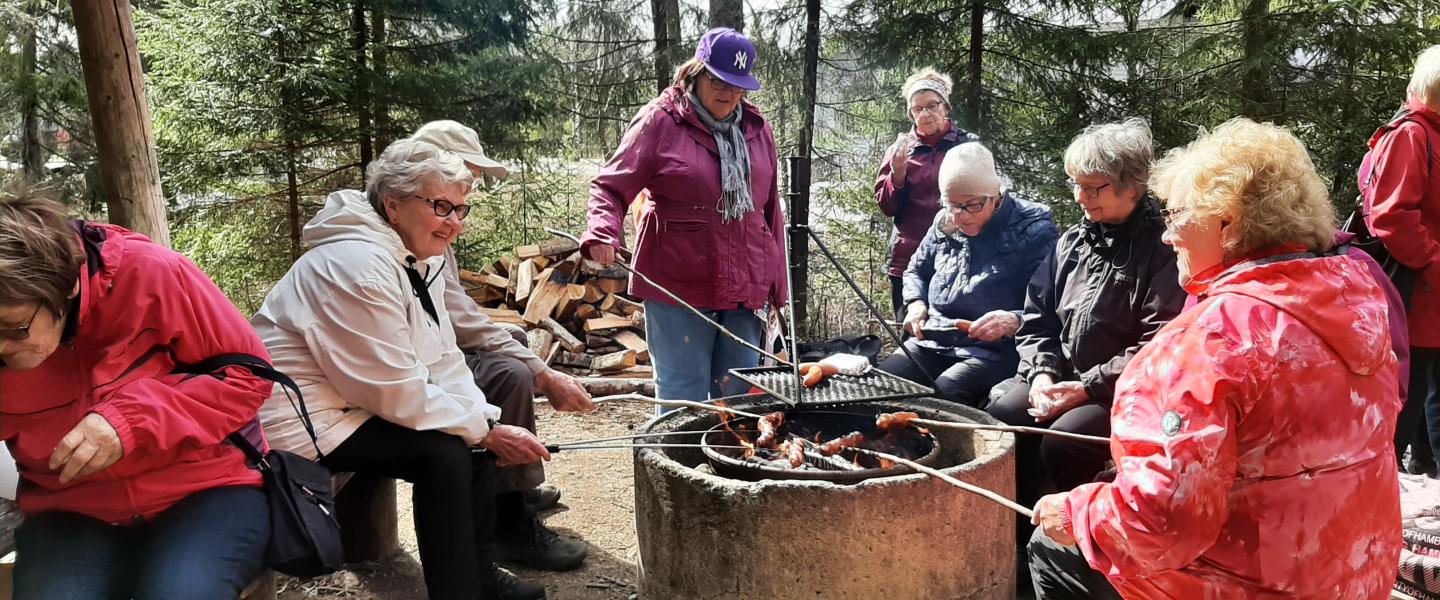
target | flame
[
  {"x": 885, "y": 463},
  {"x": 725, "y": 419}
]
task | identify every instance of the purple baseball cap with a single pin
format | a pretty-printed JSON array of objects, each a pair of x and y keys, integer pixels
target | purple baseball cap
[{"x": 729, "y": 56}]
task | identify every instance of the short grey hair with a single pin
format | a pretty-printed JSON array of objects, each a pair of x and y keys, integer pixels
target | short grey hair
[
  {"x": 1425, "y": 81},
  {"x": 406, "y": 166},
  {"x": 1121, "y": 151}
]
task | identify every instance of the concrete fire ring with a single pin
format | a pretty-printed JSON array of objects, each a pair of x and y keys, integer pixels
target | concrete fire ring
[{"x": 707, "y": 537}]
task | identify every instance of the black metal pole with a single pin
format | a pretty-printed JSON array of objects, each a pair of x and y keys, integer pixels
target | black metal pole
[{"x": 799, "y": 197}]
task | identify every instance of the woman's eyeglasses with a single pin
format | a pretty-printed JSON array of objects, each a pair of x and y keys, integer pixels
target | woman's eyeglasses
[
  {"x": 1092, "y": 191},
  {"x": 443, "y": 208},
  {"x": 718, "y": 84},
  {"x": 933, "y": 106},
  {"x": 969, "y": 207},
  {"x": 21, "y": 333},
  {"x": 1171, "y": 216}
]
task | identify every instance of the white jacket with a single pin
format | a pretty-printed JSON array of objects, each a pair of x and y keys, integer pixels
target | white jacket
[{"x": 345, "y": 324}]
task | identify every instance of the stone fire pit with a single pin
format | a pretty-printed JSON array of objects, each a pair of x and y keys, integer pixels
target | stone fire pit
[{"x": 708, "y": 537}]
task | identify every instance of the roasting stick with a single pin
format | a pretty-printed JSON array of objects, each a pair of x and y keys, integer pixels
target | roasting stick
[
  {"x": 1080, "y": 437},
  {"x": 698, "y": 313},
  {"x": 635, "y": 436},
  {"x": 681, "y": 403},
  {"x": 974, "y": 489},
  {"x": 633, "y": 446}
]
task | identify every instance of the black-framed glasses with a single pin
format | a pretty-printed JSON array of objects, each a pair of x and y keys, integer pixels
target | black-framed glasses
[
  {"x": 1171, "y": 216},
  {"x": 1092, "y": 191},
  {"x": 718, "y": 84},
  {"x": 443, "y": 208},
  {"x": 932, "y": 106},
  {"x": 970, "y": 207},
  {"x": 21, "y": 333}
]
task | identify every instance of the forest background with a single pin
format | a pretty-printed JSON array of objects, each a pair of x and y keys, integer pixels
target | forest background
[{"x": 263, "y": 107}]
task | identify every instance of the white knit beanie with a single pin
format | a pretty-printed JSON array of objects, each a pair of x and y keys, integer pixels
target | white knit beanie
[{"x": 969, "y": 169}]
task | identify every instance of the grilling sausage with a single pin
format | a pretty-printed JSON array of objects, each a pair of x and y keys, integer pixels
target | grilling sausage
[
  {"x": 769, "y": 429},
  {"x": 963, "y": 325},
  {"x": 849, "y": 440},
  {"x": 817, "y": 372},
  {"x": 894, "y": 421},
  {"x": 795, "y": 454}
]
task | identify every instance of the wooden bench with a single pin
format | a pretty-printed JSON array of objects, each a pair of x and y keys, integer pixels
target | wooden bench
[{"x": 365, "y": 507}]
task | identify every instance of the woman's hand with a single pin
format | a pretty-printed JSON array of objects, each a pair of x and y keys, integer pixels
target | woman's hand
[
  {"x": 514, "y": 446},
  {"x": 92, "y": 446},
  {"x": 565, "y": 394},
  {"x": 900, "y": 157},
  {"x": 994, "y": 325},
  {"x": 1050, "y": 518},
  {"x": 602, "y": 253},
  {"x": 915, "y": 315}
]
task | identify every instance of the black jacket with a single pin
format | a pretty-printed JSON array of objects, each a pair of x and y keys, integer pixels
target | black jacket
[{"x": 1103, "y": 292}]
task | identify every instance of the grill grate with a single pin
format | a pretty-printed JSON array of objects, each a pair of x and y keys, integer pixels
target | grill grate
[{"x": 874, "y": 385}]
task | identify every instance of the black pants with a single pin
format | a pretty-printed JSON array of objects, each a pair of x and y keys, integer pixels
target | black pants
[
  {"x": 962, "y": 380},
  {"x": 452, "y": 499},
  {"x": 1419, "y": 423},
  {"x": 1067, "y": 463},
  {"x": 1061, "y": 573},
  {"x": 897, "y": 296}
]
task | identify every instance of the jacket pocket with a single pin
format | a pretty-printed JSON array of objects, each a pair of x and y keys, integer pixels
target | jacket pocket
[{"x": 686, "y": 251}]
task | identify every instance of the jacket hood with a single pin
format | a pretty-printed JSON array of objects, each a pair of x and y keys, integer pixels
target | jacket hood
[
  {"x": 348, "y": 217},
  {"x": 1334, "y": 296}
]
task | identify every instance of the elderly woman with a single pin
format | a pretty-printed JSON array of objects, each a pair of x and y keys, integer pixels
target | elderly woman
[
  {"x": 1253, "y": 436},
  {"x": 360, "y": 323},
  {"x": 128, "y": 486},
  {"x": 1100, "y": 296},
  {"x": 712, "y": 230},
  {"x": 972, "y": 266},
  {"x": 907, "y": 189},
  {"x": 1402, "y": 193}
]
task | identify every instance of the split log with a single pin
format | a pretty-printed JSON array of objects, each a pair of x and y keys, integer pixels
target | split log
[
  {"x": 585, "y": 311},
  {"x": 505, "y": 265},
  {"x": 593, "y": 293},
  {"x": 550, "y": 247},
  {"x": 566, "y": 340},
  {"x": 632, "y": 341},
  {"x": 545, "y": 297},
  {"x": 637, "y": 371},
  {"x": 610, "y": 322},
  {"x": 574, "y": 295},
  {"x": 540, "y": 341},
  {"x": 618, "y": 304},
  {"x": 610, "y": 271},
  {"x": 524, "y": 281},
  {"x": 605, "y": 349},
  {"x": 503, "y": 315},
  {"x": 611, "y": 386},
  {"x": 597, "y": 341},
  {"x": 612, "y": 286},
  {"x": 614, "y": 361},
  {"x": 575, "y": 359}
]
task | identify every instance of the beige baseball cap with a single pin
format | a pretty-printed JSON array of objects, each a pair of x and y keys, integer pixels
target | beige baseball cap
[{"x": 463, "y": 141}]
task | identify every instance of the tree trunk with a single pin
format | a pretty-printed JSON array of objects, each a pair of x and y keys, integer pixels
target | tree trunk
[
  {"x": 125, "y": 142},
  {"x": 665, "y": 17},
  {"x": 977, "y": 47},
  {"x": 812, "y": 65},
  {"x": 378, "y": 58},
  {"x": 728, "y": 13},
  {"x": 1255, "y": 93},
  {"x": 359, "y": 42},
  {"x": 292, "y": 197},
  {"x": 32, "y": 157}
]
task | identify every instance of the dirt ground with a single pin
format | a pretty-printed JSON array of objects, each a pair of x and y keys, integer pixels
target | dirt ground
[{"x": 596, "y": 505}]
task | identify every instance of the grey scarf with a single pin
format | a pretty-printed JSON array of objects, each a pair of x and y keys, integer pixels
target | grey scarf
[{"x": 735, "y": 201}]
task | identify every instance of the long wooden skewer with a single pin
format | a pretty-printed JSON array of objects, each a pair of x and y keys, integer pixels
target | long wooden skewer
[
  {"x": 633, "y": 436},
  {"x": 974, "y": 489},
  {"x": 1079, "y": 437},
  {"x": 680, "y": 403}
]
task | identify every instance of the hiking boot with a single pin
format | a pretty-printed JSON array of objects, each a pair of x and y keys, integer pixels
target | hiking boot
[
  {"x": 541, "y": 497},
  {"x": 510, "y": 587},
  {"x": 1419, "y": 466},
  {"x": 536, "y": 546}
]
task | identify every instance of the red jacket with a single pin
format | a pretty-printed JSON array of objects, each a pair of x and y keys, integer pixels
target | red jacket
[
  {"x": 1253, "y": 439},
  {"x": 1405, "y": 212},
  {"x": 142, "y": 309},
  {"x": 682, "y": 243}
]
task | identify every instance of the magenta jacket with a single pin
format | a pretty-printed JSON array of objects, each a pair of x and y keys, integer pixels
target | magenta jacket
[
  {"x": 914, "y": 204},
  {"x": 682, "y": 243}
]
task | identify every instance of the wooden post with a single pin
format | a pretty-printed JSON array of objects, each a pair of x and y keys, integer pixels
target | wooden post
[
  {"x": 115, "y": 86},
  {"x": 369, "y": 524}
]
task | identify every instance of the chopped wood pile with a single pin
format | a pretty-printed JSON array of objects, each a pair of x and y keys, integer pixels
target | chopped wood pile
[{"x": 574, "y": 310}]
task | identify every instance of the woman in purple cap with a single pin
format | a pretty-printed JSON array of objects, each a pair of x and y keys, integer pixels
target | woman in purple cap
[{"x": 712, "y": 230}]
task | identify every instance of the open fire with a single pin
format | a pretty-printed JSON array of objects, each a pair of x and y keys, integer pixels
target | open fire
[{"x": 813, "y": 444}]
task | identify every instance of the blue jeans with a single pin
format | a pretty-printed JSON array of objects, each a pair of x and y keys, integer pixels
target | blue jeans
[
  {"x": 209, "y": 545},
  {"x": 692, "y": 359}
]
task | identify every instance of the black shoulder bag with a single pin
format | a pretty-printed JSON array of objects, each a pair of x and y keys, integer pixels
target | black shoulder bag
[{"x": 304, "y": 536}]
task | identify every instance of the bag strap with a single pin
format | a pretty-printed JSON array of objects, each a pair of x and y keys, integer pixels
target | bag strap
[
  {"x": 421, "y": 288},
  {"x": 262, "y": 369}
]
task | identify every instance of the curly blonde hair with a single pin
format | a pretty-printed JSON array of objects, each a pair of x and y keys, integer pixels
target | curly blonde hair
[
  {"x": 928, "y": 79},
  {"x": 1258, "y": 178}
]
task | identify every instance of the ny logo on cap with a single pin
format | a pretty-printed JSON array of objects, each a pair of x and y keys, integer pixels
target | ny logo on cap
[{"x": 740, "y": 58}]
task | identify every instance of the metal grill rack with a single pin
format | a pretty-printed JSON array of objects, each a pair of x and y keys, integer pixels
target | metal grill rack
[{"x": 874, "y": 385}]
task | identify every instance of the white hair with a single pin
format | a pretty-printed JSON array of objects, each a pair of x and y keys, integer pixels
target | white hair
[
  {"x": 406, "y": 166},
  {"x": 1425, "y": 82},
  {"x": 1121, "y": 151}
]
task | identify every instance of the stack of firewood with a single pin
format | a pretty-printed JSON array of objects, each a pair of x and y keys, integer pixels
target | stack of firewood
[{"x": 574, "y": 310}]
